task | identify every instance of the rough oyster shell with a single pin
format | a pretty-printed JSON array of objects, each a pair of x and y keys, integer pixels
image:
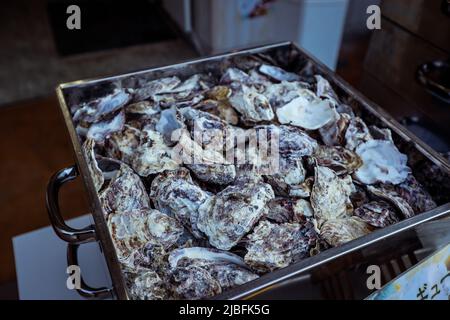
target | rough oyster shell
[
  {"x": 337, "y": 232},
  {"x": 202, "y": 272},
  {"x": 378, "y": 214},
  {"x": 291, "y": 174},
  {"x": 330, "y": 195},
  {"x": 170, "y": 120},
  {"x": 277, "y": 73},
  {"x": 333, "y": 134},
  {"x": 148, "y": 286},
  {"x": 283, "y": 210},
  {"x": 272, "y": 246},
  {"x": 230, "y": 215},
  {"x": 251, "y": 105},
  {"x": 154, "y": 87},
  {"x": 234, "y": 75},
  {"x": 325, "y": 90},
  {"x": 145, "y": 151},
  {"x": 94, "y": 170},
  {"x": 280, "y": 94},
  {"x": 416, "y": 196},
  {"x": 142, "y": 110},
  {"x": 309, "y": 115},
  {"x": 339, "y": 159},
  {"x": 95, "y": 110},
  {"x": 382, "y": 162},
  {"x": 125, "y": 192},
  {"x": 174, "y": 193},
  {"x": 390, "y": 194},
  {"x": 102, "y": 129},
  {"x": 356, "y": 134}
]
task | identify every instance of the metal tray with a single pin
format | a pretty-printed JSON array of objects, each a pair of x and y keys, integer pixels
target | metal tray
[{"x": 70, "y": 94}]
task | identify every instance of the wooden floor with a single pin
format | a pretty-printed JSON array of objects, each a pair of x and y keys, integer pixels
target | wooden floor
[{"x": 34, "y": 145}]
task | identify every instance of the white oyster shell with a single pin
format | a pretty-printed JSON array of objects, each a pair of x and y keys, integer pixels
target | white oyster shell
[
  {"x": 206, "y": 255},
  {"x": 253, "y": 106},
  {"x": 148, "y": 286},
  {"x": 330, "y": 195},
  {"x": 357, "y": 133},
  {"x": 310, "y": 115},
  {"x": 382, "y": 162},
  {"x": 230, "y": 215}
]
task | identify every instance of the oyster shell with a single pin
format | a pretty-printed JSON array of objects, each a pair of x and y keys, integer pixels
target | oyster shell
[
  {"x": 133, "y": 229},
  {"x": 102, "y": 129},
  {"x": 309, "y": 115},
  {"x": 94, "y": 170},
  {"x": 329, "y": 196},
  {"x": 142, "y": 110},
  {"x": 95, "y": 110},
  {"x": 390, "y": 194},
  {"x": 251, "y": 105},
  {"x": 234, "y": 75},
  {"x": 174, "y": 193},
  {"x": 291, "y": 174},
  {"x": 337, "y": 232},
  {"x": 324, "y": 90},
  {"x": 277, "y": 73},
  {"x": 416, "y": 196},
  {"x": 280, "y": 94},
  {"x": 170, "y": 120},
  {"x": 272, "y": 246},
  {"x": 154, "y": 87},
  {"x": 356, "y": 134},
  {"x": 148, "y": 286},
  {"x": 283, "y": 210},
  {"x": 333, "y": 134},
  {"x": 381, "y": 134},
  {"x": 145, "y": 151},
  {"x": 382, "y": 162},
  {"x": 378, "y": 214},
  {"x": 228, "y": 216},
  {"x": 339, "y": 159},
  {"x": 202, "y": 272},
  {"x": 125, "y": 192},
  {"x": 221, "y": 109}
]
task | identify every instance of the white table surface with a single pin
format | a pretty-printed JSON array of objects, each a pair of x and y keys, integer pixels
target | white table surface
[{"x": 41, "y": 264}]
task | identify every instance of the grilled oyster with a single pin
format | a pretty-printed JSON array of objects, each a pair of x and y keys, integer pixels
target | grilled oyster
[
  {"x": 251, "y": 105},
  {"x": 339, "y": 159},
  {"x": 94, "y": 170},
  {"x": 148, "y": 286},
  {"x": 309, "y": 115},
  {"x": 378, "y": 214},
  {"x": 201, "y": 272},
  {"x": 356, "y": 134},
  {"x": 382, "y": 162},
  {"x": 272, "y": 246},
  {"x": 330, "y": 195},
  {"x": 228, "y": 216},
  {"x": 337, "y": 232},
  {"x": 95, "y": 110},
  {"x": 124, "y": 193},
  {"x": 174, "y": 193}
]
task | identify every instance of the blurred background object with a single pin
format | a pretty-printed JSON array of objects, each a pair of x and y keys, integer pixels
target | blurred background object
[{"x": 38, "y": 52}]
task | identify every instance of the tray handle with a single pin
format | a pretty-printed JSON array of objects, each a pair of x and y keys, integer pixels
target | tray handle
[
  {"x": 65, "y": 232},
  {"x": 84, "y": 289},
  {"x": 437, "y": 89}
]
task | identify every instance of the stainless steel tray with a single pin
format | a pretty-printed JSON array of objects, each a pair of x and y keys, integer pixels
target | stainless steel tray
[{"x": 70, "y": 94}]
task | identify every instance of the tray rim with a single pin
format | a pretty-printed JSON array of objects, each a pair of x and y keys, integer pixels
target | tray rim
[{"x": 245, "y": 290}]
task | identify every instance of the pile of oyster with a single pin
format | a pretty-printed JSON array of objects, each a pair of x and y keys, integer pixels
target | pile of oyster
[{"x": 193, "y": 229}]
